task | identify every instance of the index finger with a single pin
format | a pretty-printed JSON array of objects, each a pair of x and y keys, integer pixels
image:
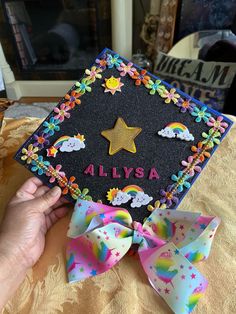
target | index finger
[
  {"x": 27, "y": 190},
  {"x": 31, "y": 185}
]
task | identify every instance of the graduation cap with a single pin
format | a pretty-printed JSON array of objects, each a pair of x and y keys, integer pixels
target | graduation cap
[{"x": 123, "y": 137}]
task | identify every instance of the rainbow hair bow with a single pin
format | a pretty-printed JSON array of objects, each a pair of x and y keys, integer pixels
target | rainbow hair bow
[{"x": 169, "y": 243}]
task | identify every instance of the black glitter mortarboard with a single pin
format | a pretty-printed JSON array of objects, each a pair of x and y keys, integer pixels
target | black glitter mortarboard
[{"x": 123, "y": 136}]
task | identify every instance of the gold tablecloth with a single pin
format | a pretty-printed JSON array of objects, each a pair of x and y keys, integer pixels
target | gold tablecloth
[{"x": 125, "y": 288}]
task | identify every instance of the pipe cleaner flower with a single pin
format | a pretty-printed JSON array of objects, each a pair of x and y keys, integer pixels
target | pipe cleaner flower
[
  {"x": 124, "y": 69},
  {"x": 211, "y": 138},
  {"x": 72, "y": 99},
  {"x": 168, "y": 196},
  {"x": 201, "y": 114},
  {"x": 93, "y": 74},
  {"x": 68, "y": 184},
  {"x": 38, "y": 165},
  {"x": 181, "y": 181},
  {"x": 157, "y": 204},
  {"x": 75, "y": 194},
  {"x": 185, "y": 105},
  {"x": 170, "y": 96},
  {"x": 113, "y": 60},
  {"x": 84, "y": 194},
  {"x": 217, "y": 124},
  {"x": 54, "y": 173},
  {"x": 41, "y": 140},
  {"x": 155, "y": 87},
  {"x": 102, "y": 63},
  {"x": 29, "y": 154},
  {"x": 62, "y": 112},
  {"x": 190, "y": 168},
  {"x": 141, "y": 77},
  {"x": 51, "y": 126},
  {"x": 200, "y": 151},
  {"x": 83, "y": 86}
]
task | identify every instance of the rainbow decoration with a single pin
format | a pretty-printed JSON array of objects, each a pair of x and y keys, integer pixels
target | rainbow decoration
[
  {"x": 132, "y": 190},
  {"x": 177, "y": 127},
  {"x": 164, "y": 229},
  {"x": 60, "y": 141},
  {"x": 129, "y": 192},
  {"x": 71, "y": 264},
  {"x": 195, "y": 257},
  {"x": 53, "y": 150},
  {"x": 162, "y": 266},
  {"x": 102, "y": 253},
  {"x": 194, "y": 298},
  {"x": 176, "y": 130}
]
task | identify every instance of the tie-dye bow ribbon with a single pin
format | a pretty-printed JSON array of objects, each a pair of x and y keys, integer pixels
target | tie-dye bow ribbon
[{"x": 169, "y": 243}]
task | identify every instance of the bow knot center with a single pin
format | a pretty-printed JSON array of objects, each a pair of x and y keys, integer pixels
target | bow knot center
[{"x": 137, "y": 232}]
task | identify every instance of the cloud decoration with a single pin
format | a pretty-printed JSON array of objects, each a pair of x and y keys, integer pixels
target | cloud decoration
[
  {"x": 186, "y": 136},
  {"x": 73, "y": 144},
  {"x": 120, "y": 198},
  {"x": 141, "y": 199},
  {"x": 167, "y": 132},
  {"x": 130, "y": 192}
]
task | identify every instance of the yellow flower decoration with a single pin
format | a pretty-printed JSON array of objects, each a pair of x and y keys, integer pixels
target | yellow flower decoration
[
  {"x": 93, "y": 74},
  {"x": 157, "y": 204},
  {"x": 29, "y": 154},
  {"x": 170, "y": 96}
]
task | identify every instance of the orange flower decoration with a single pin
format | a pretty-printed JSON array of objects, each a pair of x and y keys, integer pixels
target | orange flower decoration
[
  {"x": 72, "y": 99},
  {"x": 199, "y": 150},
  {"x": 141, "y": 77},
  {"x": 63, "y": 182},
  {"x": 66, "y": 184}
]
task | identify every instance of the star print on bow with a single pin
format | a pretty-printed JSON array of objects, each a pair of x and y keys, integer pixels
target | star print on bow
[{"x": 169, "y": 243}]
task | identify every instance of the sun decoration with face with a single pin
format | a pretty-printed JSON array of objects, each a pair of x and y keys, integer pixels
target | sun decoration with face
[
  {"x": 112, "y": 85},
  {"x": 111, "y": 194}
]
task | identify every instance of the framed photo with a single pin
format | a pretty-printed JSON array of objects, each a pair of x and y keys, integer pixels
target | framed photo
[
  {"x": 179, "y": 18},
  {"x": 198, "y": 15}
]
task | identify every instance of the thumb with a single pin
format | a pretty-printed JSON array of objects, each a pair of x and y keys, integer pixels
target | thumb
[{"x": 47, "y": 200}]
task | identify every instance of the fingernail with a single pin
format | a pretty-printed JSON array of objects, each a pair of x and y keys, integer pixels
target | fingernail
[{"x": 55, "y": 191}]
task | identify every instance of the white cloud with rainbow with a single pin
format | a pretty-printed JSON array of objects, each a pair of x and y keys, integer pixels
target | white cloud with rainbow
[
  {"x": 130, "y": 192},
  {"x": 176, "y": 130}
]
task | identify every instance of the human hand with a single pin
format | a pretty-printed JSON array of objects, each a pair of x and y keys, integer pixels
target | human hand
[{"x": 29, "y": 215}]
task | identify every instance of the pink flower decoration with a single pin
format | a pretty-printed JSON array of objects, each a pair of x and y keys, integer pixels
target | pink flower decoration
[
  {"x": 217, "y": 124},
  {"x": 170, "y": 96},
  {"x": 189, "y": 166},
  {"x": 54, "y": 172},
  {"x": 62, "y": 112},
  {"x": 124, "y": 69}
]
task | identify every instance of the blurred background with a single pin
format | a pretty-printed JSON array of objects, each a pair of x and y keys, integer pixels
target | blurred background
[{"x": 47, "y": 45}]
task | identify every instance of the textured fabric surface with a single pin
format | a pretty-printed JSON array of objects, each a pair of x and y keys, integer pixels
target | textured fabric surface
[
  {"x": 125, "y": 288},
  {"x": 39, "y": 110}
]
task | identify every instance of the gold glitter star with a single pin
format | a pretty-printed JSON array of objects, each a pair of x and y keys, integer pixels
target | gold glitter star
[{"x": 121, "y": 137}]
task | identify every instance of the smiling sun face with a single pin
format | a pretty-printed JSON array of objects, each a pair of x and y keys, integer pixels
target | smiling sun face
[
  {"x": 111, "y": 194},
  {"x": 112, "y": 85}
]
